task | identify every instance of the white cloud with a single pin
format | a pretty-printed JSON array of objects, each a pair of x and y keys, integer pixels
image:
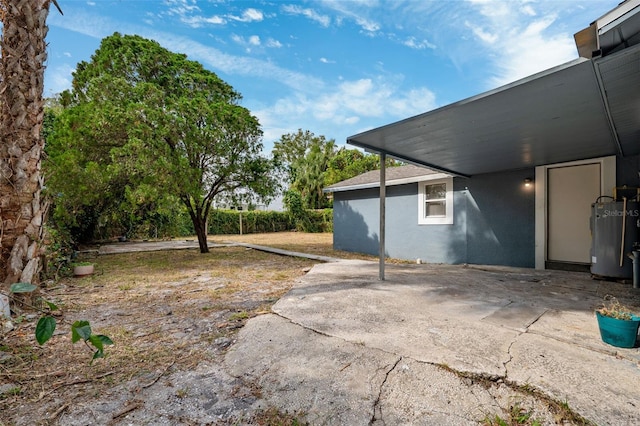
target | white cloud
[
  {"x": 200, "y": 21},
  {"x": 373, "y": 98},
  {"x": 495, "y": 9},
  {"x": 326, "y": 61},
  {"x": 323, "y": 20},
  {"x": 415, "y": 101},
  {"x": 83, "y": 23},
  {"x": 356, "y": 11},
  {"x": 254, "y": 40},
  {"x": 58, "y": 79},
  {"x": 273, "y": 43},
  {"x": 240, "y": 65},
  {"x": 181, "y": 7},
  {"x": 348, "y": 104},
  {"x": 518, "y": 38},
  {"x": 238, "y": 39},
  {"x": 367, "y": 25},
  {"x": 253, "y": 15},
  {"x": 249, "y": 15},
  {"x": 484, "y": 35},
  {"x": 528, "y": 10},
  {"x": 188, "y": 13},
  {"x": 249, "y": 42},
  {"x": 413, "y": 43}
]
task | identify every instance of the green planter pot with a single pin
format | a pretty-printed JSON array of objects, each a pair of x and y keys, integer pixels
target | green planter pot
[{"x": 617, "y": 332}]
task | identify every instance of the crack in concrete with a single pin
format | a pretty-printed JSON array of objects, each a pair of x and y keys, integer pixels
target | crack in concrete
[
  {"x": 536, "y": 319},
  {"x": 376, "y": 403},
  {"x": 494, "y": 381},
  {"x": 487, "y": 379},
  {"x": 308, "y": 328},
  {"x": 515, "y": 339},
  {"x": 506, "y": 363}
]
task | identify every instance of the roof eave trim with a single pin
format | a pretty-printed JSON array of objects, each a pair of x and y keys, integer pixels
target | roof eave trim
[{"x": 393, "y": 182}]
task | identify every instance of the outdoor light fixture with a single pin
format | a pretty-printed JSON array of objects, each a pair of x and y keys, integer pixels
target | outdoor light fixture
[{"x": 528, "y": 182}]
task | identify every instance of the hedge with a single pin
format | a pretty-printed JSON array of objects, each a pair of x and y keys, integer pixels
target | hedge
[
  {"x": 223, "y": 222},
  {"x": 254, "y": 221}
]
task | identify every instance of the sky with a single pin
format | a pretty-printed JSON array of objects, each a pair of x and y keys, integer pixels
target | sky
[{"x": 335, "y": 67}]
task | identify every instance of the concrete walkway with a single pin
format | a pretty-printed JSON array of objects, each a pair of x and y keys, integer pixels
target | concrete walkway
[
  {"x": 436, "y": 345},
  {"x": 139, "y": 246}
]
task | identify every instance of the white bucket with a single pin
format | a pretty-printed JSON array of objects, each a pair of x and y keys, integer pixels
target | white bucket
[{"x": 5, "y": 311}]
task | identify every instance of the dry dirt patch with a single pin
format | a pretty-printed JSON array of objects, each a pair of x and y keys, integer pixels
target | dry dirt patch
[{"x": 171, "y": 314}]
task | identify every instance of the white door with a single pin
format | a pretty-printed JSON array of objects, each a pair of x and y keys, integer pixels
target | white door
[{"x": 571, "y": 190}]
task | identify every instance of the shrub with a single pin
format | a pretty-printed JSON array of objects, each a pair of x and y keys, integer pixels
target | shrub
[
  {"x": 223, "y": 222},
  {"x": 307, "y": 220}
]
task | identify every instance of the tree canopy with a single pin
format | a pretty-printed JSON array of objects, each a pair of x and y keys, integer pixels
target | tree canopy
[
  {"x": 143, "y": 125},
  {"x": 304, "y": 157},
  {"x": 348, "y": 163},
  {"x": 312, "y": 163}
]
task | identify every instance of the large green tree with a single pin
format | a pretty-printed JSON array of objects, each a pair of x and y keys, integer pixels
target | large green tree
[
  {"x": 305, "y": 157},
  {"x": 348, "y": 163},
  {"x": 141, "y": 124},
  {"x": 311, "y": 163}
]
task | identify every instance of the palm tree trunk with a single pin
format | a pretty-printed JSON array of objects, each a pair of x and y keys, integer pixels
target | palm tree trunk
[{"x": 21, "y": 113}]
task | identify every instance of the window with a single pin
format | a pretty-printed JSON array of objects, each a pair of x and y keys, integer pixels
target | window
[{"x": 436, "y": 202}]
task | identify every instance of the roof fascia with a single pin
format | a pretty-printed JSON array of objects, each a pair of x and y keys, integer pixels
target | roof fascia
[
  {"x": 613, "y": 17},
  {"x": 605, "y": 104},
  {"x": 393, "y": 182}
]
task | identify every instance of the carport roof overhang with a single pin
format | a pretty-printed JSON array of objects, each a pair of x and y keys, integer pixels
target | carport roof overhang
[{"x": 582, "y": 109}]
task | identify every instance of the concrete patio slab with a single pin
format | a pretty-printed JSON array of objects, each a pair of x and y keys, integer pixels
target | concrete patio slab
[{"x": 419, "y": 336}]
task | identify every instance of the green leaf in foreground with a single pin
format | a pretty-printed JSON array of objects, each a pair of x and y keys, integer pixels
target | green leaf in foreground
[
  {"x": 99, "y": 341},
  {"x": 45, "y": 328},
  {"x": 106, "y": 340},
  {"x": 22, "y": 288},
  {"x": 98, "y": 354},
  {"x": 51, "y": 305},
  {"x": 80, "y": 330}
]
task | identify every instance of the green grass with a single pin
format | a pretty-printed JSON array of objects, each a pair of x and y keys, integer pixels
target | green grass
[
  {"x": 237, "y": 316},
  {"x": 516, "y": 416}
]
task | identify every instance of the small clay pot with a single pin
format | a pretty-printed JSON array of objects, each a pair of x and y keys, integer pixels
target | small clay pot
[{"x": 81, "y": 270}]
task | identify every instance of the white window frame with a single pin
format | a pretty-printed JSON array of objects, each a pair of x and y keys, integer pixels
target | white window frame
[{"x": 447, "y": 219}]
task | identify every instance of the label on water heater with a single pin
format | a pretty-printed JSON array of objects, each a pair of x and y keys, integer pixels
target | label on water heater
[
  {"x": 593, "y": 259},
  {"x": 619, "y": 213}
]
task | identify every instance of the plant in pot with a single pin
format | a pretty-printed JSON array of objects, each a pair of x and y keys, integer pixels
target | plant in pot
[
  {"x": 82, "y": 268},
  {"x": 618, "y": 325}
]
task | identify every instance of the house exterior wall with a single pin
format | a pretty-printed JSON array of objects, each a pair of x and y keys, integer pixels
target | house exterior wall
[
  {"x": 501, "y": 219},
  {"x": 493, "y": 222}
]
